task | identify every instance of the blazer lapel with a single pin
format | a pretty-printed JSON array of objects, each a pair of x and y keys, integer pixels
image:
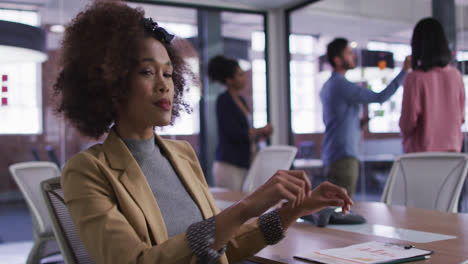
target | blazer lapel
[
  {"x": 134, "y": 181},
  {"x": 185, "y": 173}
]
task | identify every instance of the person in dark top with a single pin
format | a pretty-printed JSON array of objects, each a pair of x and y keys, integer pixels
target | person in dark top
[{"x": 236, "y": 136}]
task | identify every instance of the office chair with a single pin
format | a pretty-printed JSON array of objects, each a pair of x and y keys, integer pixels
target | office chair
[
  {"x": 266, "y": 163},
  {"x": 70, "y": 245},
  {"x": 28, "y": 176},
  {"x": 430, "y": 180}
]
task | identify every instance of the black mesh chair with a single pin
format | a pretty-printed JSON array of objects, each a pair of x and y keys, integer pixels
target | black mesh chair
[{"x": 73, "y": 250}]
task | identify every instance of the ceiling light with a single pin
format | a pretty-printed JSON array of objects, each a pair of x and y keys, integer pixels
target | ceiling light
[
  {"x": 57, "y": 28},
  {"x": 353, "y": 44}
]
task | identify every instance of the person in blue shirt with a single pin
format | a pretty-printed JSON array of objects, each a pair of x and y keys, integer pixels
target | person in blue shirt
[
  {"x": 236, "y": 136},
  {"x": 341, "y": 100}
]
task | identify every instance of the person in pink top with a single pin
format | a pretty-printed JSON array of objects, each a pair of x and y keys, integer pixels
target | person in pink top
[{"x": 432, "y": 112}]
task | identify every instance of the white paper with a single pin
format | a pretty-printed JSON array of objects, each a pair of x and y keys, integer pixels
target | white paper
[{"x": 365, "y": 253}]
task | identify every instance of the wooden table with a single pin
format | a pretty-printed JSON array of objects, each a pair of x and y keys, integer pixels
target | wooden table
[{"x": 303, "y": 237}]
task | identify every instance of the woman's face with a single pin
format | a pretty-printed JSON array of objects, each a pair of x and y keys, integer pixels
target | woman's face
[
  {"x": 238, "y": 80},
  {"x": 151, "y": 93}
]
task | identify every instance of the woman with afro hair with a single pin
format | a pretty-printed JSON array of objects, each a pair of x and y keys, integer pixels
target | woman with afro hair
[{"x": 138, "y": 198}]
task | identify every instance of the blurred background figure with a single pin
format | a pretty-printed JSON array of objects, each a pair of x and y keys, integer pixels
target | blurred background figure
[
  {"x": 237, "y": 138},
  {"x": 434, "y": 95},
  {"x": 341, "y": 100}
]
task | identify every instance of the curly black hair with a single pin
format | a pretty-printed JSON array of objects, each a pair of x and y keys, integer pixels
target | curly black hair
[
  {"x": 98, "y": 53},
  {"x": 221, "y": 68}
]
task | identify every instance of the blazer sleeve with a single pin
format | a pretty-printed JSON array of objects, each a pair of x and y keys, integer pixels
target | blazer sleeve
[
  {"x": 228, "y": 124},
  {"x": 109, "y": 236},
  {"x": 249, "y": 239},
  {"x": 106, "y": 233}
]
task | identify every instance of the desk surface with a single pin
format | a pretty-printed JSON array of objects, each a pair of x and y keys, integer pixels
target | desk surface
[
  {"x": 303, "y": 237},
  {"x": 317, "y": 163}
]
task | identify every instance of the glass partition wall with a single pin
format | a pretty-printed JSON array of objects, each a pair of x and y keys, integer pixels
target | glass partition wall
[
  {"x": 203, "y": 33},
  {"x": 379, "y": 32}
]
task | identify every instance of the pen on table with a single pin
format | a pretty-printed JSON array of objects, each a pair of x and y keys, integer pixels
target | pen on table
[
  {"x": 409, "y": 259},
  {"x": 405, "y": 246}
]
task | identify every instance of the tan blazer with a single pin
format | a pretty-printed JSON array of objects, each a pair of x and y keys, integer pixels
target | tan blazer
[{"x": 117, "y": 216}]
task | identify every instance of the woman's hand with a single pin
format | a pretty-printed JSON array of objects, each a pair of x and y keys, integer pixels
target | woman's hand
[
  {"x": 325, "y": 195},
  {"x": 263, "y": 132},
  {"x": 292, "y": 186},
  {"x": 267, "y": 130},
  {"x": 407, "y": 64}
]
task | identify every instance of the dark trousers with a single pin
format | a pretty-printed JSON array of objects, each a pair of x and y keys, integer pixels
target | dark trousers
[{"x": 344, "y": 172}]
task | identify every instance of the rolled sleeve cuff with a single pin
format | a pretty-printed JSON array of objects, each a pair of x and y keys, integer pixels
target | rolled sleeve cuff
[
  {"x": 271, "y": 227},
  {"x": 201, "y": 237}
]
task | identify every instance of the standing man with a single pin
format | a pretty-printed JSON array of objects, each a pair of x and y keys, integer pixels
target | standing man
[{"x": 341, "y": 99}]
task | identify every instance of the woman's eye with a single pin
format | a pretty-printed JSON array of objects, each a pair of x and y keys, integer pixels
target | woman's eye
[
  {"x": 147, "y": 72},
  {"x": 168, "y": 74}
]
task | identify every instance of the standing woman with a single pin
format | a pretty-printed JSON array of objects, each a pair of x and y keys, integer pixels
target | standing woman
[
  {"x": 236, "y": 137},
  {"x": 433, "y": 109},
  {"x": 138, "y": 198}
]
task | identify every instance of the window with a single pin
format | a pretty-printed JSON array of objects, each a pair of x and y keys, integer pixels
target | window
[
  {"x": 20, "y": 16},
  {"x": 21, "y": 92},
  {"x": 306, "y": 82},
  {"x": 385, "y": 117},
  {"x": 259, "y": 80}
]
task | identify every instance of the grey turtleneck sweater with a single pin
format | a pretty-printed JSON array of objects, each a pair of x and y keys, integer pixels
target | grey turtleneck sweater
[{"x": 177, "y": 206}]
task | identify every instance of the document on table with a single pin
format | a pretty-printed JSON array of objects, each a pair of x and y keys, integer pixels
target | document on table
[{"x": 367, "y": 253}]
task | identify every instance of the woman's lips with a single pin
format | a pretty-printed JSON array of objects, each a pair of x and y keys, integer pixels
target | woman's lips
[{"x": 165, "y": 104}]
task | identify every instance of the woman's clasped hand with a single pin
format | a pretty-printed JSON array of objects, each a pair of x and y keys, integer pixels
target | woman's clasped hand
[{"x": 294, "y": 188}]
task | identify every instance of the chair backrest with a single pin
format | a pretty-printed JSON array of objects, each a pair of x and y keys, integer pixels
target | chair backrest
[
  {"x": 431, "y": 180},
  {"x": 28, "y": 176},
  {"x": 70, "y": 245},
  {"x": 266, "y": 163}
]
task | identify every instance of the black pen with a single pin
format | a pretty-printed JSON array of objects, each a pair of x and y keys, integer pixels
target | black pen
[{"x": 405, "y": 246}]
